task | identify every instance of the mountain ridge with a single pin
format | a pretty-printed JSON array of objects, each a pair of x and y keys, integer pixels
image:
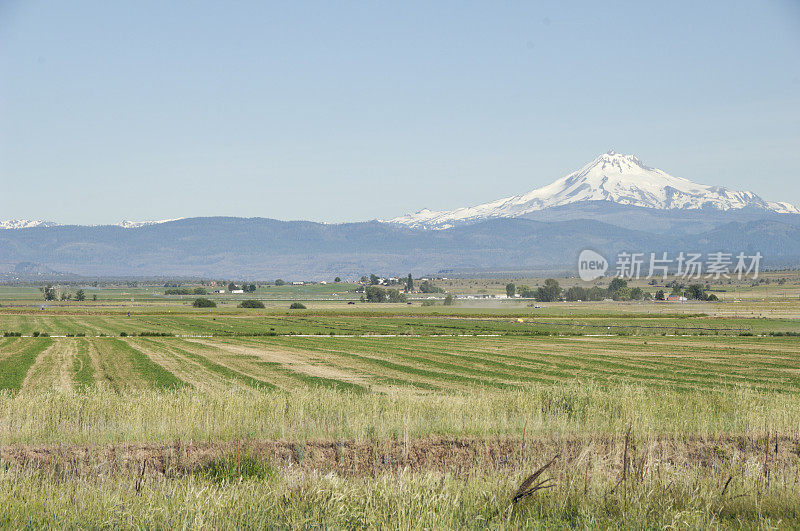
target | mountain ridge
[
  {"x": 261, "y": 248},
  {"x": 13, "y": 224}
]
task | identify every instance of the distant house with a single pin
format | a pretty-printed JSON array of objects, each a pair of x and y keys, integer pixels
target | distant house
[
  {"x": 219, "y": 291},
  {"x": 237, "y": 291},
  {"x": 297, "y": 283},
  {"x": 676, "y": 298}
]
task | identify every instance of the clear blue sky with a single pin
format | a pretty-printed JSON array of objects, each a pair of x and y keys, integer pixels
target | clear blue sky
[{"x": 338, "y": 111}]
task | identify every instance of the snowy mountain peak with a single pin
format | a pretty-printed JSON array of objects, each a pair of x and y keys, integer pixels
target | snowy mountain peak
[
  {"x": 612, "y": 176},
  {"x": 25, "y": 224},
  {"x": 127, "y": 224}
]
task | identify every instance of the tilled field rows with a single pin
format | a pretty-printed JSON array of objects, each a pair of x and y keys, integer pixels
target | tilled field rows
[{"x": 379, "y": 364}]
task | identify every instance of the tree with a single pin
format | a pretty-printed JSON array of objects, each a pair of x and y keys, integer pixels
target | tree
[
  {"x": 374, "y": 279},
  {"x": 696, "y": 291},
  {"x": 595, "y": 293},
  {"x": 660, "y": 295},
  {"x": 427, "y": 287},
  {"x": 375, "y": 294},
  {"x": 251, "y": 304},
  {"x": 550, "y": 292},
  {"x": 677, "y": 287},
  {"x": 94, "y": 297},
  {"x": 337, "y": 279},
  {"x": 279, "y": 282},
  {"x": 297, "y": 306},
  {"x": 622, "y": 294},
  {"x": 199, "y": 291},
  {"x": 576, "y": 293},
  {"x": 409, "y": 283},
  {"x": 204, "y": 303},
  {"x": 231, "y": 286},
  {"x": 80, "y": 295},
  {"x": 616, "y": 285},
  {"x": 448, "y": 301},
  {"x": 511, "y": 290},
  {"x": 394, "y": 295},
  {"x": 637, "y": 294},
  {"x": 49, "y": 292},
  {"x": 526, "y": 292}
]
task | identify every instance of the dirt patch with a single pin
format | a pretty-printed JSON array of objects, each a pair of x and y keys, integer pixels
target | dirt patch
[
  {"x": 304, "y": 365},
  {"x": 65, "y": 365},
  {"x": 459, "y": 456}
]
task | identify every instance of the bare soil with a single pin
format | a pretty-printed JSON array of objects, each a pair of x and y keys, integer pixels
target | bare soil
[{"x": 458, "y": 456}]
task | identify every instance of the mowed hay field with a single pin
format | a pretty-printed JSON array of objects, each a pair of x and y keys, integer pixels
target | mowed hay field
[
  {"x": 398, "y": 420},
  {"x": 414, "y": 364}
]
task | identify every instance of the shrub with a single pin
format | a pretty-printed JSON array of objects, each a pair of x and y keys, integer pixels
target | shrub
[
  {"x": 297, "y": 306},
  {"x": 237, "y": 468},
  {"x": 251, "y": 304},
  {"x": 204, "y": 303}
]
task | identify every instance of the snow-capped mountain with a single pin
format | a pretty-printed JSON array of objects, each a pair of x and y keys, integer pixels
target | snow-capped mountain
[
  {"x": 25, "y": 224},
  {"x": 614, "y": 177},
  {"x": 125, "y": 224}
]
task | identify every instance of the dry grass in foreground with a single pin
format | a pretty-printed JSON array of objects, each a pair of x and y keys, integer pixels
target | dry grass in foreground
[
  {"x": 622, "y": 456},
  {"x": 437, "y": 483}
]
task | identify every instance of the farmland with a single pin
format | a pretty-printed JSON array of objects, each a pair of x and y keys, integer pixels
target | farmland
[{"x": 154, "y": 414}]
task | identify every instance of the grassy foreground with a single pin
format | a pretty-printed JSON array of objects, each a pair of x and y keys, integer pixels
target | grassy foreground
[
  {"x": 624, "y": 456},
  {"x": 105, "y": 417},
  {"x": 401, "y": 501}
]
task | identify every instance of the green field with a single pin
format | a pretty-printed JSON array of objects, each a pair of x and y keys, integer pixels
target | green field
[
  {"x": 154, "y": 414},
  {"x": 381, "y": 363}
]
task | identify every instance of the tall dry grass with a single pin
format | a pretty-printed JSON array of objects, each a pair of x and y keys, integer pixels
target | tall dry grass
[
  {"x": 581, "y": 498},
  {"x": 100, "y": 416}
]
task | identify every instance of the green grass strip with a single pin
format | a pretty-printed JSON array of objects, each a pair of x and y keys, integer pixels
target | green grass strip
[
  {"x": 15, "y": 367},
  {"x": 151, "y": 372},
  {"x": 82, "y": 367}
]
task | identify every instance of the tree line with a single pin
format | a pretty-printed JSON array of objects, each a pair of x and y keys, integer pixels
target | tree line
[{"x": 617, "y": 290}]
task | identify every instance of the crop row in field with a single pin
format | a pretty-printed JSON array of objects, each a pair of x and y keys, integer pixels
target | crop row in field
[
  {"x": 382, "y": 363},
  {"x": 304, "y": 323},
  {"x": 16, "y": 358}
]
